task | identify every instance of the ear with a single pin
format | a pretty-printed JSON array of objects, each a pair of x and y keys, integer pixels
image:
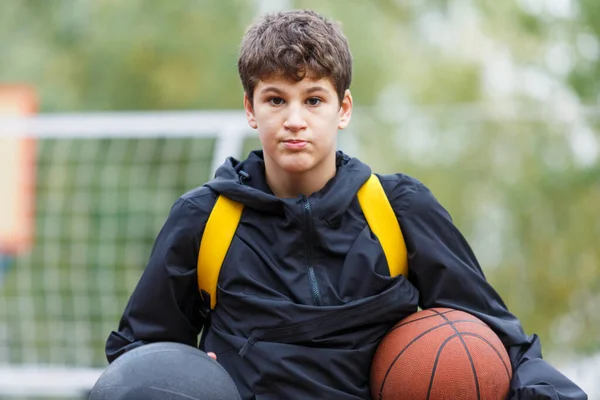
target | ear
[
  {"x": 345, "y": 110},
  {"x": 249, "y": 112}
]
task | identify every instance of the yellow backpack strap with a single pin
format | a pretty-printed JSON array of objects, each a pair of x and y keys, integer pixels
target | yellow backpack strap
[
  {"x": 384, "y": 224},
  {"x": 218, "y": 234}
]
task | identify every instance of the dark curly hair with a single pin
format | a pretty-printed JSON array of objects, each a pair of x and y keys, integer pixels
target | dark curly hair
[{"x": 293, "y": 44}]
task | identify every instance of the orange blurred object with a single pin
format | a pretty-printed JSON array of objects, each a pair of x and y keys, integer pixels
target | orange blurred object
[{"x": 17, "y": 173}]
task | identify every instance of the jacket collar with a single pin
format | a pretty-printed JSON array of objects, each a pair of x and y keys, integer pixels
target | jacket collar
[{"x": 245, "y": 182}]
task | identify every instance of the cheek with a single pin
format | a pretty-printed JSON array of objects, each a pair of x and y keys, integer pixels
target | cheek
[
  {"x": 327, "y": 128},
  {"x": 333, "y": 118},
  {"x": 266, "y": 123},
  {"x": 266, "y": 132}
]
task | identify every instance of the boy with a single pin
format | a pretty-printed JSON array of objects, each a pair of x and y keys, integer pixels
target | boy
[{"x": 305, "y": 292}]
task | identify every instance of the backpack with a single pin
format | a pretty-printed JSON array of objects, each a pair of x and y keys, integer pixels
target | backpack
[{"x": 225, "y": 216}]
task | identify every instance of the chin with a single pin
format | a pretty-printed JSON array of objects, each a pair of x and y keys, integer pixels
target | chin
[
  {"x": 296, "y": 165},
  {"x": 296, "y": 168}
]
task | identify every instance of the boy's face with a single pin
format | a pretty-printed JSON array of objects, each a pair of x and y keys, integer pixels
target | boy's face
[{"x": 297, "y": 123}]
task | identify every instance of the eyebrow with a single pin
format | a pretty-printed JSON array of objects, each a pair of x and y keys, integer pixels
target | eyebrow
[
  {"x": 316, "y": 89},
  {"x": 271, "y": 89},
  {"x": 279, "y": 91}
]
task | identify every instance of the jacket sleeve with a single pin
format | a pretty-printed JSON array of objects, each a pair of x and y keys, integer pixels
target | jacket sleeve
[
  {"x": 166, "y": 304},
  {"x": 444, "y": 269}
]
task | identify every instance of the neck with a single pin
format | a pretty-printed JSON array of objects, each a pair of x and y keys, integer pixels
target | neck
[{"x": 290, "y": 185}]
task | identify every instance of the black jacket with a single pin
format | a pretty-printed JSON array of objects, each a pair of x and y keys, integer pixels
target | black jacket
[{"x": 304, "y": 294}]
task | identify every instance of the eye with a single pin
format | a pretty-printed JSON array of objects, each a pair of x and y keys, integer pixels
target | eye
[
  {"x": 314, "y": 101},
  {"x": 276, "y": 101}
]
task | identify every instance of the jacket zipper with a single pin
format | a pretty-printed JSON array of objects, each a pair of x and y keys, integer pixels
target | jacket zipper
[{"x": 312, "y": 277}]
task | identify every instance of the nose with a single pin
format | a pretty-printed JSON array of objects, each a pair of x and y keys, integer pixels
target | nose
[{"x": 295, "y": 119}]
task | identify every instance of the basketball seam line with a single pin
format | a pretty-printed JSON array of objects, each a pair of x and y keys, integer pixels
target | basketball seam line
[
  {"x": 422, "y": 318},
  {"x": 448, "y": 322},
  {"x": 493, "y": 348},
  {"x": 435, "y": 363},
  {"x": 468, "y": 355},
  {"x": 475, "y": 335},
  {"x": 173, "y": 392}
]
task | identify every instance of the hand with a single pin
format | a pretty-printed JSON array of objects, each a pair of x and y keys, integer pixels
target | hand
[{"x": 212, "y": 355}]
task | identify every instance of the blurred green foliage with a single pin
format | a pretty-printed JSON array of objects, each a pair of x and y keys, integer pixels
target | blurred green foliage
[{"x": 505, "y": 163}]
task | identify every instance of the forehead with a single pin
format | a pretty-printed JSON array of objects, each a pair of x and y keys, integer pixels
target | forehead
[{"x": 281, "y": 83}]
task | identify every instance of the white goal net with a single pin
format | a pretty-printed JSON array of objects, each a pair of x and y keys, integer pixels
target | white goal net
[{"x": 104, "y": 186}]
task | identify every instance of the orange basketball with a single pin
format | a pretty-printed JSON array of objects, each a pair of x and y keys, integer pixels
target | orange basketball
[{"x": 440, "y": 353}]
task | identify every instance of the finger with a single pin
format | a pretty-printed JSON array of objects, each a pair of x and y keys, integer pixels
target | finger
[{"x": 212, "y": 355}]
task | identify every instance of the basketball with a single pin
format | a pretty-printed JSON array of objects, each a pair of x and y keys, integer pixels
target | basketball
[
  {"x": 440, "y": 353},
  {"x": 165, "y": 371}
]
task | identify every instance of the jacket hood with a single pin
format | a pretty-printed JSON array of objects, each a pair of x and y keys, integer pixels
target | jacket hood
[{"x": 245, "y": 182}]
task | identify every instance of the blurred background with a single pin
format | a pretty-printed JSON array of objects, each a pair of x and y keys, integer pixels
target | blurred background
[{"x": 494, "y": 105}]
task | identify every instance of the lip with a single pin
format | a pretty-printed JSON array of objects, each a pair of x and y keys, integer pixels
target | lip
[{"x": 295, "y": 144}]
